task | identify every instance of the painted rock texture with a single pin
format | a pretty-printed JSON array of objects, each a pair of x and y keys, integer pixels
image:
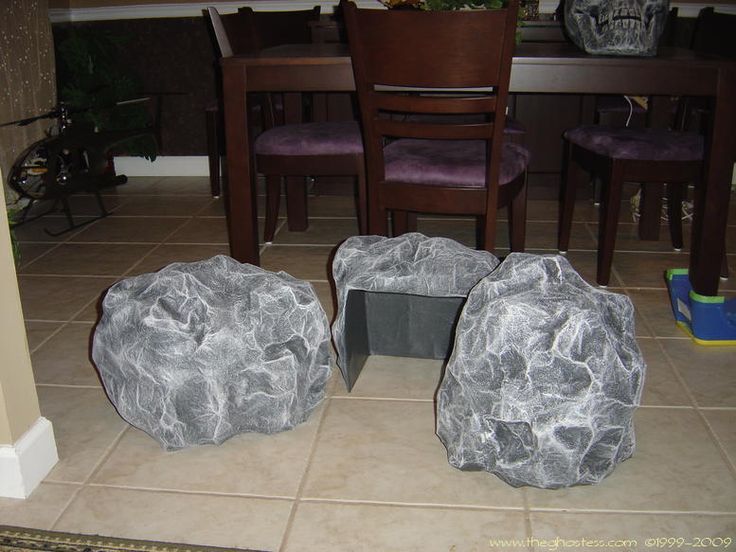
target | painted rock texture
[
  {"x": 198, "y": 352},
  {"x": 544, "y": 377}
]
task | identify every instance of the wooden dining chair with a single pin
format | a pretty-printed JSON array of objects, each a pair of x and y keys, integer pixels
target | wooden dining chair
[
  {"x": 661, "y": 160},
  {"x": 238, "y": 33},
  {"x": 652, "y": 157},
  {"x": 293, "y": 151},
  {"x": 438, "y": 166}
]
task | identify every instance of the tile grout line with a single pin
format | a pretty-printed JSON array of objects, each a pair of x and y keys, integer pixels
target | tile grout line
[
  {"x": 303, "y": 481},
  {"x": 532, "y": 509},
  {"x": 719, "y": 444},
  {"x": 70, "y": 386},
  {"x": 613, "y": 511},
  {"x": 59, "y": 243},
  {"x": 43, "y": 342},
  {"x": 415, "y": 505},
  {"x": 155, "y": 248},
  {"x": 23, "y": 266},
  {"x": 701, "y": 415},
  {"x": 187, "y": 492},
  {"x": 527, "y": 517},
  {"x": 158, "y": 245},
  {"x": 103, "y": 458}
]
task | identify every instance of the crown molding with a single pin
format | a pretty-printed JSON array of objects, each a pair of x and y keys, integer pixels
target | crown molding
[
  {"x": 195, "y": 9},
  {"x": 154, "y": 11}
]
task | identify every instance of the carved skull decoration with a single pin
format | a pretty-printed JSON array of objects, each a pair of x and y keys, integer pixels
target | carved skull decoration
[{"x": 616, "y": 27}]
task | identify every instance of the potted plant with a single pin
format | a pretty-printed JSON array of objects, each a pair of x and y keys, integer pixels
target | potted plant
[
  {"x": 92, "y": 80},
  {"x": 451, "y": 5}
]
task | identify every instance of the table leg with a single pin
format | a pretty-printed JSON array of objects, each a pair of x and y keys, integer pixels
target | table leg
[
  {"x": 241, "y": 195},
  {"x": 711, "y": 216}
]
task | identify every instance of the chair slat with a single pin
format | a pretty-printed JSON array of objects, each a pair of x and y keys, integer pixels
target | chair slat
[
  {"x": 433, "y": 104},
  {"x": 403, "y": 129}
]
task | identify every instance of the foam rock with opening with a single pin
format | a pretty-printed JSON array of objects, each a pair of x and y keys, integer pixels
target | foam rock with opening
[{"x": 411, "y": 263}]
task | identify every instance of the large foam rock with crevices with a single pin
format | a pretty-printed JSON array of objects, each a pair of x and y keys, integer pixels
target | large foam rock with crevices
[
  {"x": 411, "y": 264},
  {"x": 198, "y": 352},
  {"x": 544, "y": 377}
]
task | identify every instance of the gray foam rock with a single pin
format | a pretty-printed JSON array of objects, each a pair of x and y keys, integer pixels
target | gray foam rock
[
  {"x": 411, "y": 263},
  {"x": 199, "y": 352},
  {"x": 544, "y": 377}
]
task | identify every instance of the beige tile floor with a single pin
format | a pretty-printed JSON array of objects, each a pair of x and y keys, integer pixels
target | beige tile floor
[{"x": 366, "y": 471}]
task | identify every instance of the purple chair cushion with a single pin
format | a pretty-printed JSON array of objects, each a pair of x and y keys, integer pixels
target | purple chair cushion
[
  {"x": 638, "y": 144},
  {"x": 340, "y": 138},
  {"x": 457, "y": 163}
]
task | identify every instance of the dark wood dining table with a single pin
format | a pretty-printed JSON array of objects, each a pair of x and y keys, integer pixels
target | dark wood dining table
[{"x": 556, "y": 68}]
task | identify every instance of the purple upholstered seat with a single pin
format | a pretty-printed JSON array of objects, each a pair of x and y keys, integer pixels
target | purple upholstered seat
[
  {"x": 331, "y": 138},
  {"x": 638, "y": 144},
  {"x": 459, "y": 163}
]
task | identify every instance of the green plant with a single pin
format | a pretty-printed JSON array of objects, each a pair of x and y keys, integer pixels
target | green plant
[
  {"x": 463, "y": 4},
  {"x": 452, "y": 5},
  {"x": 92, "y": 78}
]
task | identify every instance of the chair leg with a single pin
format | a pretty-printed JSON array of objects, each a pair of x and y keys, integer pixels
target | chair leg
[
  {"x": 486, "y": 237},
  {"x": 724, "y": 267},
  {"x": 362, "y": 207},
  {"x": 572, "y": 175},
  {"x": 650, "y": 210},
  {"x": 399, "y": 222},
  {"x": 674, "y": 213},
  {"x": 608, "y": 223},
  {"x": 517, "y": 218},
  {"x": 213, "y": 150},
  {"x": 273, "y": 198},
  {"x": 377, "y": 215},
  {"x": 296, "y": 203}
]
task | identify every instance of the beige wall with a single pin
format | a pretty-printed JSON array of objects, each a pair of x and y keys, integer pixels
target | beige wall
[
  {"x": 27, "y": 87},
  {"x": 27, "y": 74},
  {"x": 18, "y": 399}
]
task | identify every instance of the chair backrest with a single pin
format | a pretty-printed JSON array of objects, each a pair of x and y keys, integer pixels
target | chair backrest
[
  {"x": 276, "y": 28},
  {"x": 447, "y": 52},
  {"x": 714, "y": 33},
  {"x": 247, "y": 31}
]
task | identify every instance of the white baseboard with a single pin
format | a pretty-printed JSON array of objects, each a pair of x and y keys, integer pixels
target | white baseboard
[
  {"x": 24, "y": 464},
  {"x": 166, "y": 165}
]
